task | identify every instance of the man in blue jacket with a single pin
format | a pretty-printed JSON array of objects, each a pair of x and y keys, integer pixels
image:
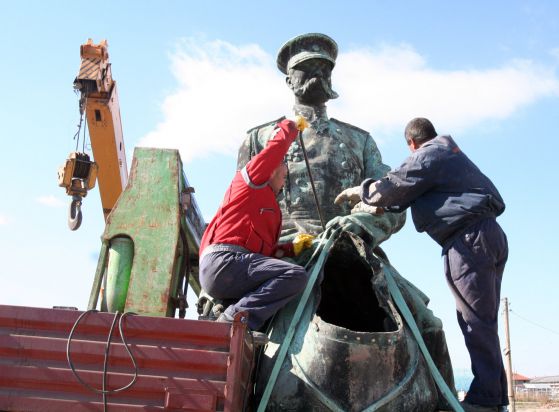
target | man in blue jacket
[{"x": 457, "y": 205}]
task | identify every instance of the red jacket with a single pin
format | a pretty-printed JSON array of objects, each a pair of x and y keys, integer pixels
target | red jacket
[{"x": 249, "y": 215}]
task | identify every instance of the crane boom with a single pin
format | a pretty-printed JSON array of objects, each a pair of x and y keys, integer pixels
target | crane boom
[{"x": 99, "y": 100}]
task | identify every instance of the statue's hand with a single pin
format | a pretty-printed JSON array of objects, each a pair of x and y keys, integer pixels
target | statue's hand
[
  {"x": 364, "y": 208},
  {"x": 351, "y": 195},
  {"x": 347, "y": 223}
]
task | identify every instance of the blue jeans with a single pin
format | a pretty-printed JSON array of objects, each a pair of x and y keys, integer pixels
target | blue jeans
[
  {"x": 262, "y": 284},
  {"x": 474, "y": 266}
]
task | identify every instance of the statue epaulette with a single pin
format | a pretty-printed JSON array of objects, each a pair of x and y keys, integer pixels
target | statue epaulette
[
  {"x": 344, "y": 124},
  {"x": 266, "y": 124}
]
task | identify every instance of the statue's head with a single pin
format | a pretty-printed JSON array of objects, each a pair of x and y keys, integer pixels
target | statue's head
[{"x": 308, "y": 60}]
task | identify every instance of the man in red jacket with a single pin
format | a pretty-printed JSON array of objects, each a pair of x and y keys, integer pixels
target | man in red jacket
[{"x": 237, "y": 254}]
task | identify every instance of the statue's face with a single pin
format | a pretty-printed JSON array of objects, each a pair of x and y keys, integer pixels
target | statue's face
[{"x": 311, "y": 82}]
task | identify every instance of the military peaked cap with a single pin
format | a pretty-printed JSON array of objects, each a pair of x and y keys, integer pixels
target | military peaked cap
[{"x": 305, "y": 47}]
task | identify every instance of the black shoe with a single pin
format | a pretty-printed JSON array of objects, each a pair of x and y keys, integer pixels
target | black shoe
[
  {"x": 224, "y": 317},
  {"x": 258, "y": 338}
]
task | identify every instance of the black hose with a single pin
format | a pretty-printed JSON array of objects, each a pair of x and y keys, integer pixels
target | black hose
[{"x": 103, "y": 391}]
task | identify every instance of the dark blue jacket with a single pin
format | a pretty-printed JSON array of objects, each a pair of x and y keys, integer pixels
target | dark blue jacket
[{"x": 445, "y": 189}]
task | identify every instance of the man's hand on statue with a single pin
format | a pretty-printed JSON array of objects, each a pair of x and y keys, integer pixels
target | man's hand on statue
[
  {"x": 364, "y": 208},
  {"x": 283, "y": 250},
  {"x": 351, "y": 196}
]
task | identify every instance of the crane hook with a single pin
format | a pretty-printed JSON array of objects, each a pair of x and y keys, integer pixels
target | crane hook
[{"x": 75, "y": 213}]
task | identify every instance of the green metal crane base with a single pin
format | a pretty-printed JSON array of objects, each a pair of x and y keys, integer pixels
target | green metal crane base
[{"x": 151, "y": 238}]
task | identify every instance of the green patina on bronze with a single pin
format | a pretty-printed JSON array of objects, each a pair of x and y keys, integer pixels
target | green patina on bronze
[{"x": 341, "y": 156}]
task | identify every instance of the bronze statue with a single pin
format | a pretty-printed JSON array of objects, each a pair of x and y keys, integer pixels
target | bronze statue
[
  {"x": 352, "y": 299},
  {"x": 340, "y": 155}
]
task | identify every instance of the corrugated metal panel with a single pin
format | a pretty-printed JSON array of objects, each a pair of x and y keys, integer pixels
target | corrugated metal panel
[{"x": 182, "y": 364}]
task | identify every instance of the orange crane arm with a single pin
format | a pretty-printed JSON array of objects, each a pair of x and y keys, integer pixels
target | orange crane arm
[{"x": 99, "y": 99}]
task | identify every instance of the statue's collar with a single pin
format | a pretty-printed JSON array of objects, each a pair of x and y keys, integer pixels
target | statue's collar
[{"x": 311, "y": 113}]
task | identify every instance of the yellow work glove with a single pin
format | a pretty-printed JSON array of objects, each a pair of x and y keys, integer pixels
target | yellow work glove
[
  {"x": 301, "y": 242},
  {"x": 301, "y": 123}
]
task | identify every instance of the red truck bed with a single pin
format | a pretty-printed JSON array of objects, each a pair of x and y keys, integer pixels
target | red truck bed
[{"x": 182, "y": 365}]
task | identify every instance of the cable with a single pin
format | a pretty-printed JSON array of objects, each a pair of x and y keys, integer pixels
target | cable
[
  {"x": 77, "y": 135},
  {"x": 104, "y": 391},
  {"x": 533, "y": 323},
  {"x": 83, "y": 122},
  {"x": 84, "y": 135},
  {"x": 105, "y": 361}
]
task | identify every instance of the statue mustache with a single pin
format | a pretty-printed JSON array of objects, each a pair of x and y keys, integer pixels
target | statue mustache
[{"x": 313, "y": 84}]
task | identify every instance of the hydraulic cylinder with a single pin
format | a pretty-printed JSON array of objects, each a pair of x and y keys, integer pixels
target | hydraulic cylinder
[{"x": 121, "y": 255}]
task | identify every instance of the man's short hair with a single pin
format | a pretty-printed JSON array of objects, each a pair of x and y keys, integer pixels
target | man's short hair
[{"x": 420, "y": 130}]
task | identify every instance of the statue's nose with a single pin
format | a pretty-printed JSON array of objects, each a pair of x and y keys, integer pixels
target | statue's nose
[{"x": 319, "y": 72}]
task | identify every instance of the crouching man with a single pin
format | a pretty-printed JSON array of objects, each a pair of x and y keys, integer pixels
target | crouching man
[{"x": 239, "y": 247}]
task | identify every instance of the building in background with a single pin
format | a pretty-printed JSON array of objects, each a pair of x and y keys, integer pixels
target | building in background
[{"x": 545, "y": 387}]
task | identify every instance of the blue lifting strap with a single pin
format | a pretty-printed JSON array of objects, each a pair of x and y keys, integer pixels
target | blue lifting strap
[
  {"x": 323, "y": 248},
  {"x": 408, "y": 317}
]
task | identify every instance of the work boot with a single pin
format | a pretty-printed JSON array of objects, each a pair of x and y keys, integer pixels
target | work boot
[
  {"x": 217, "y": 310},
  {"x": 258, "y": 338},
  {"x": 470, "y": 407},
  {"x": 224, "y": 317}
]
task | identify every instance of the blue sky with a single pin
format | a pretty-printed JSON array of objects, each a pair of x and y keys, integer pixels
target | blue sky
[{"x": 196, "y": 75}]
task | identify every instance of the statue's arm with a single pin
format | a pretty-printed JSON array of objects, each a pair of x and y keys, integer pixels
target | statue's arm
[
  {"x": 246, "y": 151},
  {"x": 255, "y": 140},
  {"x": 380, "y": 227},
  {"x": 372, "y": 160}
]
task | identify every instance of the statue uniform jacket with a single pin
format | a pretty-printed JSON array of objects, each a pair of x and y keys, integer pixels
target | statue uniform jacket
[
  {"x": 249, "y": 215},
  {"x": 340, "y": 156}
]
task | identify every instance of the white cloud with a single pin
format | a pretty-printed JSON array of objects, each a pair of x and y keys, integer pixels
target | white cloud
[
  {"x": 51, "y": 201},
  {"x": 225, "y": 89},
  {"x": 3, "y": 220},
  {"x": 386, "y": 89}
]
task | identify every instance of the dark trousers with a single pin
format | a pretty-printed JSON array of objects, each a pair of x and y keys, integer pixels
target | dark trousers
[
  {"x": 262, "y": 284},
  {"x": 474, "y": 266}
]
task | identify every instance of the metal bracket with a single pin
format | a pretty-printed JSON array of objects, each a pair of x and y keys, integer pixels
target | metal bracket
[{"x": 186, "y": 199}]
